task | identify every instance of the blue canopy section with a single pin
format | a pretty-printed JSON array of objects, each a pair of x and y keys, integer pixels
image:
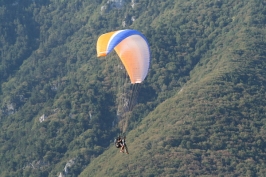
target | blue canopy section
[{"x": 120, "y": 36}]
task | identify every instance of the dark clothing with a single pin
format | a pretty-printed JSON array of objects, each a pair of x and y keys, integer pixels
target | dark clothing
[
  {"x": 118, "y": 143},
  {"x": 121, "y": 143}
]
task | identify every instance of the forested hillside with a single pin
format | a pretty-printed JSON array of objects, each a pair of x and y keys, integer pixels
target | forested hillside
[{"x": 199, "y": 112}]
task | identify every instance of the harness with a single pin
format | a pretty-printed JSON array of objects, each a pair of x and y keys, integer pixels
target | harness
[{"x": 117, "y": 144}]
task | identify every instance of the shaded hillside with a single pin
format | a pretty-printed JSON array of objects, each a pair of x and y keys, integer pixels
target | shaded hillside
[{"x": 200, "y": 111}]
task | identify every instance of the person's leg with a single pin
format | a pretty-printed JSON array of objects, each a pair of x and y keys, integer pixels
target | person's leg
[{"x": 122, "y": 149}]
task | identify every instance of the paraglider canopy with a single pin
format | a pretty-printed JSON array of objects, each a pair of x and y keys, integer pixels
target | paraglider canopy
[{"x": 132, "y": 48}]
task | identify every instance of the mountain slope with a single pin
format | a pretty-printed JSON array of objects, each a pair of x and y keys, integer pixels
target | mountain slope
[
  {"x": 215, "y": 124},
  {"x": 200, "y": 111}
]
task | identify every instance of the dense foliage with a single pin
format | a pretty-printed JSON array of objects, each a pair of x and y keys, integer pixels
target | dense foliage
[{"x": 200, "y": 111}]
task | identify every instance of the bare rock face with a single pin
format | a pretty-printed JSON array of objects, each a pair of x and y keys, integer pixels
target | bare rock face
[{"x": 112, "y": 4}]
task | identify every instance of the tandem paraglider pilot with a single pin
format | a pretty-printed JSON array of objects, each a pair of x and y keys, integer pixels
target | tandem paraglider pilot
[{"x": 121, "y": 143}]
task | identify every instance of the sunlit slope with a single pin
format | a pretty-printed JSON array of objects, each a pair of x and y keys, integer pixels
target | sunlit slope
[{"x": 215, "y": 125}]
